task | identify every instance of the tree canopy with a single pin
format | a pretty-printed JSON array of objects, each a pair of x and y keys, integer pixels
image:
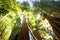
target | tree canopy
[{"x": 12, "y": 13}]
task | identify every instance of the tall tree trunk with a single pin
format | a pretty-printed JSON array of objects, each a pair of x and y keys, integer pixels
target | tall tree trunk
[
  {"x": 55, "y": 23},
  {"x": 24, "y": 31}
]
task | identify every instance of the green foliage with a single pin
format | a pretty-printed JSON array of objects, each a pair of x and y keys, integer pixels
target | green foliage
[
  {"x": 10, "y": 19},
  {"x": 25, "y": 6},
  {"x": 8, "y": 11}
]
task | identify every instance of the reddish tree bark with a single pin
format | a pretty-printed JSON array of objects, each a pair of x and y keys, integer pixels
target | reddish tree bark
[{"x": 24, "y": 31}]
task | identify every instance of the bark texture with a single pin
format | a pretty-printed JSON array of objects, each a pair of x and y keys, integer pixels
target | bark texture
[{"x": 25, "y": 30}]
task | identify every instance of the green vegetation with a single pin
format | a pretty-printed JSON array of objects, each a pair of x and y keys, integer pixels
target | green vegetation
[{"x": 12, "y": 13}]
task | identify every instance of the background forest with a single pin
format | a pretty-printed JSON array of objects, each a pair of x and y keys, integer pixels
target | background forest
[{"x": 13, "y": 11}]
